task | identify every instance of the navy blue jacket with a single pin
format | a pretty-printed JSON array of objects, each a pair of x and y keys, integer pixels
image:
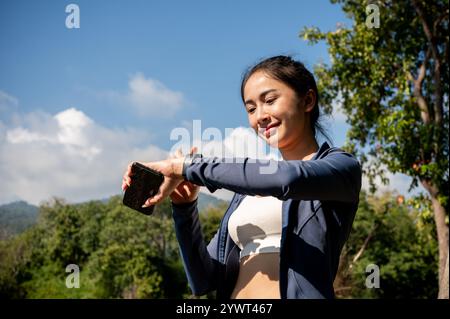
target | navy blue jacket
[{"x": 320, "y": 199}]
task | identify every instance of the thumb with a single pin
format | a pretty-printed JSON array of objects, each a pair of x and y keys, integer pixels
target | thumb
[{"x": 155, "y": 199}]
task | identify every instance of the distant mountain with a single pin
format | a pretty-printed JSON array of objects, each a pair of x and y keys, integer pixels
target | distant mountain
[
  {"x": 16, "y": 217},
  {"x": 205, "y": 200}
]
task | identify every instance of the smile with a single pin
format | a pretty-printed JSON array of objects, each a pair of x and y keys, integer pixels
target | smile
[{"x": 271, "y": 130}]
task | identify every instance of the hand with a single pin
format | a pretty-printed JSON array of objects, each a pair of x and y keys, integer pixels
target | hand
[
  {"x": 172, "y": 179},
  {"x": 186, "y": 192},
  {"x": 171, "y": 168}
]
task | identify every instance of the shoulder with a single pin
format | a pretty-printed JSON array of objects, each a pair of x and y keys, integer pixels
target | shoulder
[{"x": 340, "y": 155}]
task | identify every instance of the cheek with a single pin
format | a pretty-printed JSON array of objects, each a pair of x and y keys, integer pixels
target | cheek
[
  {"x": 252, "y": 121},
  {"x": 293, "y": 115},
  {"x": 293, "y": 122}
]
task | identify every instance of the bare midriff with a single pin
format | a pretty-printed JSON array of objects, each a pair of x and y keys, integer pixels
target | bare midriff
[{"x": 258, "y": 277}]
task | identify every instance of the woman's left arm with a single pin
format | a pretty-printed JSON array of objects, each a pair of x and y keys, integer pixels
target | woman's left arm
[{"x": 336, "y": 177}]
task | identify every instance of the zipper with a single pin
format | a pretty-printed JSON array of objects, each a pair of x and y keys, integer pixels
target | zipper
[{"x": 222, "y": 230}]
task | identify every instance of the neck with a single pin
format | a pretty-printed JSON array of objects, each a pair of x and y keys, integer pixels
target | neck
[{"x": 301, "y": 151}]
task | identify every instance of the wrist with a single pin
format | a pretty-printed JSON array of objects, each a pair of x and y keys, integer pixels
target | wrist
[
  {"x": 177, "y": 167},
  {"x": 188, "y": 160}
]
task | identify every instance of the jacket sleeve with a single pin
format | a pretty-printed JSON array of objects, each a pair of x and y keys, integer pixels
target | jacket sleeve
[
  {"x": 336, "y": 177},
  {"x": 199, "y": 260}
]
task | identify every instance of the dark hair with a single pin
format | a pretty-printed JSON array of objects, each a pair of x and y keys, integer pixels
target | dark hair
[{"x": 296, "y": 76}]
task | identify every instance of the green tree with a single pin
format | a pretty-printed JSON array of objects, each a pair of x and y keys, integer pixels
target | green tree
[
  {"x": 397, "y": 238},
  {"x": 15, "y": 255},
  {"x": 137, "y": 255},
  {"x": 120, "y": 253},
  {"x": 392, "y": 84}
]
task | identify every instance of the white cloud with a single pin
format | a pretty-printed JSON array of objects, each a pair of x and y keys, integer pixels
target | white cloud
[
  {"x": 150, "y": 96},
  {"x": 146, "y": 97},
  {"x": 66, "y": 155},
  {"x": 72, "y": 129}
]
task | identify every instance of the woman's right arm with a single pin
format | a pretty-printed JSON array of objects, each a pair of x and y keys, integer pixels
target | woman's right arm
[{"x": 199, "y": 260}]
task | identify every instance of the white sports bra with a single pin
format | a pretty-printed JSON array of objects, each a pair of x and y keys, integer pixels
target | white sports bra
[{"x": 255, "y": 225}]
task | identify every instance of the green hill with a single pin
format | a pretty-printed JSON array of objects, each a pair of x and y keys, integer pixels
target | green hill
[
  {"x": 16, "y": 217},
  {"x": 205, "y": 200}
]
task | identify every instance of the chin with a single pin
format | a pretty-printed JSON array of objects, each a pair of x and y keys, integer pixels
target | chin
[{"x": 274, "y": 142}]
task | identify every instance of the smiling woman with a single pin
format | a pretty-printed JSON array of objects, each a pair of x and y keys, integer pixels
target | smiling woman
[
  {"x": 283, "y": 232},
  {"x": 285, "y": 89}
]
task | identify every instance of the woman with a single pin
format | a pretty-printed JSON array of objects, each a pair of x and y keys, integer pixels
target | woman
[{"x": 282, "y": 234}]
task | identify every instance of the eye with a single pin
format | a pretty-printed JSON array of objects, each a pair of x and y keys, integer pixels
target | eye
[
  {"x": 251, "y": 109},
  {"x": 271, "y": 100}
]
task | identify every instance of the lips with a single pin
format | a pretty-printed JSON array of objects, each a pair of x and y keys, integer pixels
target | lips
[{"x": 270, "y": 130}]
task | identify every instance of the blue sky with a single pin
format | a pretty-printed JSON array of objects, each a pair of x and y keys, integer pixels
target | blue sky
[{"x": 131, "y": 73}]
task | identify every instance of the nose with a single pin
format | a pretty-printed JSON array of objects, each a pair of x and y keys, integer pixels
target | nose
[{"x": 262, "y": 117}]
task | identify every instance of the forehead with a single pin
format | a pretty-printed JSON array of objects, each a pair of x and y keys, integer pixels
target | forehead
[{"x": 259, "y": 82}]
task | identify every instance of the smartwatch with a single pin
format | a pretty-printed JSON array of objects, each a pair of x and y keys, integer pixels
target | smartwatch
[{"x": 188, "y": 160}]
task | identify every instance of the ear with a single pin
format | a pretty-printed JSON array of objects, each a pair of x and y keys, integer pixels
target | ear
[{"x": 309, "y": 100}]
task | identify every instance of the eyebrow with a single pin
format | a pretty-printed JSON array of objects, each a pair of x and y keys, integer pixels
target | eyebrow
[{"x": 260, "y": 96}]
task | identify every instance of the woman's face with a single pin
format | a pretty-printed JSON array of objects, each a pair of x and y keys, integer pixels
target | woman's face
[{"x": 275, "y": 111}]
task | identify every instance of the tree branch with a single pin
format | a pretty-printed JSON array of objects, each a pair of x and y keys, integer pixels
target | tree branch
[
  {"x": 418, "y": 83},
  {"x": 431, "y": 37},
  {"x": 364, "y": 245}
]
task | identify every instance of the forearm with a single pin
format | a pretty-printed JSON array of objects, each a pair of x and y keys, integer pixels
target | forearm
[{"x": 337, "y": 177}]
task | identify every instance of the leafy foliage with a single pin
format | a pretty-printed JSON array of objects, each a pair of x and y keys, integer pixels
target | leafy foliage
[
  {"x": 372, "y": 78},
  {"x": 392, "y": 83},
  {"x": 123, "y": 254},
  {"x": 399, "y": 240}
]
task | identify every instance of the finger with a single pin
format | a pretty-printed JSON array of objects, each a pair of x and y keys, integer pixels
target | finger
[
  {"x": 146, "y": 204},
  {"x": 127, "y": 180},
  {"x": 159, "y": 196},
  {"x": 194, "y": 149},
  {"x": 124, "y": 185},
  {"x": 152, "y": 201},
  {"x": 129, "y": 170}
]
